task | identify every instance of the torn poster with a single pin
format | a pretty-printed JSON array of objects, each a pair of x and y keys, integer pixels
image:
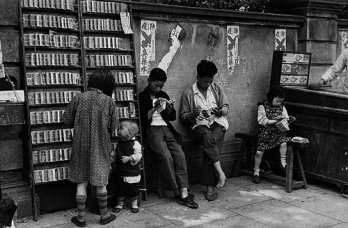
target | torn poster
[
  {"x": 344, "y": 40},
  {"x": 232, "y": 47},
  {"x": 2, "y": 68},
  {"x": 147, "y": 45},
  {"x": 280, "y": 39}
]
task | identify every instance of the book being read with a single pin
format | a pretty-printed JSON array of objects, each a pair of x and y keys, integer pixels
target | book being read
[{"x": 163, "y": 104}]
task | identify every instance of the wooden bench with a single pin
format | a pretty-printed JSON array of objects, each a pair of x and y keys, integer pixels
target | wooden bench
[{"x": 293, "y": 150}]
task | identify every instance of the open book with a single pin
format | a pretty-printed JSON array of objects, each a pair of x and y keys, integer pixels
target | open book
[{"x": 163, "y": 104}]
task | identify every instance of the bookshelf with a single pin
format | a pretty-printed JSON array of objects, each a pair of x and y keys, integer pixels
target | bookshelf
[
  {"x": 62, "y": 42},
  {"x": 107, "y": 43},
  {"x": 290, "y": 68}
]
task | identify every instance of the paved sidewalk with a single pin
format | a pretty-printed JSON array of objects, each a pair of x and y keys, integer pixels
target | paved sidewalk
[{"x": 241, "y": 204}]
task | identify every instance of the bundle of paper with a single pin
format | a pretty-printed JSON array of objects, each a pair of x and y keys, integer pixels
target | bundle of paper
[
  {"x": 283, "y": 125},
  {"x": 299, "y": 139}
]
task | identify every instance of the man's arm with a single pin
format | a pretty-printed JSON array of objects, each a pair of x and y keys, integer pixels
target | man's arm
[{"x": 335, "y": 70}]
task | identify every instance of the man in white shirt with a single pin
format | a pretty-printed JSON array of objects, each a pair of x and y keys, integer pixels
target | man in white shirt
[{"x": 204, "y": 108}]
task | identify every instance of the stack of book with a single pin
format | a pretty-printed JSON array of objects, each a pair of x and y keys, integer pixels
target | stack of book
[
  {"x": 49, "y": 21},
  {"x": 50, "y": 40},
  {"x": 50, "y": 4},
  {"x": 52, "y": 155},
  {"x": 124, "y": 77},
  {"x": 51, "y": 59},
  {"x": 103, "y": 7},
  {"x": 53, "y": 78},
  {"x": 47, "y": 175},
  {"x": 97, "y": 24},
  {"x": 108, "y": 60},
  {"x": 51, "y": 136},
  {"x": 46, "y": 117},
  {"x": 59, "y": 97},
  {"x": 103, "y": 42}
]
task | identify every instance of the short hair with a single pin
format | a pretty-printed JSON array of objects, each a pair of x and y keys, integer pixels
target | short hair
[
  {"x": 206, "y": 68},
  {"x": 133, "y": 128},
  {"x": 157, "y": 74},
  {"x": 275, "y": 91},
  {"x": 103, "y": 80}
]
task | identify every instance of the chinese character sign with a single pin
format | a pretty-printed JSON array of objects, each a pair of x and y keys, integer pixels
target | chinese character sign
[
  {"x": 232, "y": 47},
  {"x": 147, "y": 46},
  {"x": 280, "y": 39}
]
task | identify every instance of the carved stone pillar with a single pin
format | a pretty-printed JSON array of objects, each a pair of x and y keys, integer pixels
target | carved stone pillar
[{"x": 318, "y": 35}]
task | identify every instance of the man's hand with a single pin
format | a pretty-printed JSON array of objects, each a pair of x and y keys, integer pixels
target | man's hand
[
  {"x": 126, "y": 159},
  {"x": 280, "y": 117},
  {"x": 317, "y": 85}
]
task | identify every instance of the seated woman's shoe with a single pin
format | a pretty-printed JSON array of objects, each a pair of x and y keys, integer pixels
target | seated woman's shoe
[
  {"x": 135, "y": 209},
  {"x": 78, "y": 222},
  {"x": 107, "y": 220},
  {"x": 256, "y": 179}
]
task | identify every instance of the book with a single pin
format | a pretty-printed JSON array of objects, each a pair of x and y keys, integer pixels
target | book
[
  {"x": 283, "y": 125},
  {"x": 298, "y": 139}
]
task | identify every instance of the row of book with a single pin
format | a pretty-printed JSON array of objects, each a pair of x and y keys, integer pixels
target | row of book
[
  {"x": 51, "y": 40},
  {"x": 51, "y": 59},
  {"x": 49, "y": 4},
  {"x": 127, "y": 112},
  {"x": 53, "y": 78},
  {"x": 103, "y": 7},
  {"x": 46, "y": 117},
  {"x": 98, "y": 24},
  {"x": 124, "y": 77},
  {"x": 53, "y": 155},
  {"x": 51, "y": 136},
  {"x": 108, "y": 60},
  {"x": 58, "y": 97},
  {"x": 125, "y": 95},
  {"x": 49, "y": 21},
  {"x": 48, "y": 175},
  {"x": 103, "y": 42}
]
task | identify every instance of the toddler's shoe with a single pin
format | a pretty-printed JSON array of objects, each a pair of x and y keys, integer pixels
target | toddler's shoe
[
  {"x": 135, "y": 209},
  {"x": 117, "y": 208},
  {"x": 256, "y": 179}
]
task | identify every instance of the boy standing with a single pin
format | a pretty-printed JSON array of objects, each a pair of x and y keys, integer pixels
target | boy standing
[
  {"x": 127, "y": 170},
  {"x": 204, "y": 108},
  {"x": 162, "y": 140}
]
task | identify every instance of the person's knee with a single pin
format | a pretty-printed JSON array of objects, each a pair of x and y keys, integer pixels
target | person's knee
[
  {"x": 258, "y": 153},
  {"x": 283, "y": 145}
]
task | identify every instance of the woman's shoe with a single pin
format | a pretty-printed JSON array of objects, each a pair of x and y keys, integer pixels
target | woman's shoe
[
  {"x": 107, "y": 220},
  {"x": 256, "y": 179},
  {"x": 135, "y": 209},
  {"x": 78, "y": 222}
]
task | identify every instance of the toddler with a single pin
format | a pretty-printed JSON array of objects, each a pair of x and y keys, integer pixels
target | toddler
[
  {"x": 269, "y": 113},
  {"x": 126, "y": 168}
]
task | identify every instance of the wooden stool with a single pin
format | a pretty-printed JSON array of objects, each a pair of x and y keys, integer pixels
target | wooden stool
[{"x": 294, "y": 149}]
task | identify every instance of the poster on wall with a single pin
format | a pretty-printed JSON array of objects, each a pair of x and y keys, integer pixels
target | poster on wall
[
  {"x": 232, "y": 47},
  {"x": 344, "y": 40},
  {"x": 280, "y": 39},
  {"x": 147, "y": 45}
]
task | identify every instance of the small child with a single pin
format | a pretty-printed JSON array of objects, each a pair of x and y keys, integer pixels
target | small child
[
  {"x": 126, "y": 170},
  {"x": 269, "y": 113}
]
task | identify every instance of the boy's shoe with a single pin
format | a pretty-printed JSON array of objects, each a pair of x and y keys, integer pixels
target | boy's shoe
[
  {"x": 107, "y": 220},
  {"x": 188, "y": 201},
  {"x": 78, "y": 222},
  {"x": 256, "y": 179}
]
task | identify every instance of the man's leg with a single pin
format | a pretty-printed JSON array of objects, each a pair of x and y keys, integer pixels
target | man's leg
[
  {"x": 159, "y": 150},
  {"x": 219, "y": 133}
]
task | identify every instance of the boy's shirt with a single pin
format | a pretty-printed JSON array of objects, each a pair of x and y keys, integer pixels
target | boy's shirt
[{"x": 207, "y": 104}]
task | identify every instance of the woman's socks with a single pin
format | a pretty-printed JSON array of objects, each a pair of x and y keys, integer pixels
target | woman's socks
[{"x": 81, "y": 206}]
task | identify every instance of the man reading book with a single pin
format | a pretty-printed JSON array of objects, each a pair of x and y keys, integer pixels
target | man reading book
[{"x": 162, "y": 141}]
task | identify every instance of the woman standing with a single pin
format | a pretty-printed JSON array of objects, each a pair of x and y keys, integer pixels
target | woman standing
[{"x": 93, "y": 116}]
